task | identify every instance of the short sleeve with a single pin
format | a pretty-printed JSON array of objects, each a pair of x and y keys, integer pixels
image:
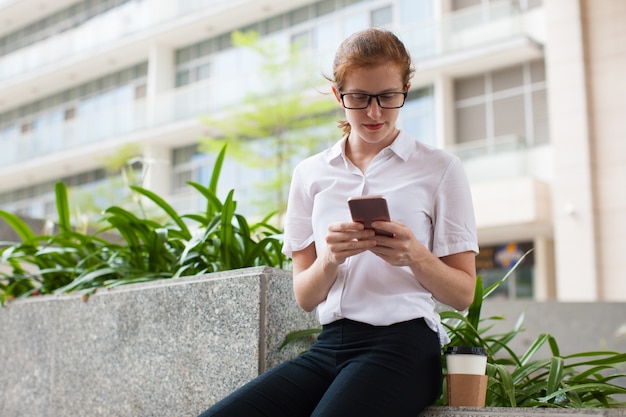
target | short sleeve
[
  {"x": 454, "y": 223},
  {"x": 298, "y": 226}
]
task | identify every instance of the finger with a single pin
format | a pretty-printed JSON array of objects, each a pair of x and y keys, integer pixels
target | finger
[{"x": 385, "y": 228}]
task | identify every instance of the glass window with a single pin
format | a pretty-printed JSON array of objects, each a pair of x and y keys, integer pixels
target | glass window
[
  {"x": 205, "y": 48},
  {"x": 354, "y": 22},
  {"x": 537, "y": 71},
  {"x": 275, "y": 24},
  {"x": 325, "y": 35},
  {"x": 509, "y": 101},
  {"x": 469, "y": 87},
  {"x": 412, "y": 11},
  {"x": 180, "y": 180},
  {"x": 509, "y": 117},
  {"x": 300, "y": 15},
  {"x": 418, "y": 116},
  {"x": 382, "y": 16},
  {"x": 302, "y": 40},
  {"x": 471, "y": 123},
  {"x": 494, "y": 262},
  {"x": 182, "y": 78},
  {"x": 140, "y": 91},
  {"x": 203, "y": 72},
  {"x": 462, "y": 4},
  {"x": 507, "y": 78},
  {"x": 324, "y": 7},
  {"x": 540, "y": 117}
]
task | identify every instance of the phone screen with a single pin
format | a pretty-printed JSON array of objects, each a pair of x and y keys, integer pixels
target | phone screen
[{"x": 366, "y": 209}]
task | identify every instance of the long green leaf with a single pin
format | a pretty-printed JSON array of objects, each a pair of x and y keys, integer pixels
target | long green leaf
[
  {"x": 166, "y": 207},
  {"x": 19, "y": 225},
  {"x": 89, "y": 277},
  {"x": 496, "y": 284},
  {"x": 297, "y": 335},
  {"x": 217, "y": 169},
  {"x": 473, "y": 314},
  {"x": 214, "y": 205},
  {"x": 555, "y": 375},
  {"x": 63, "y": 207},
  {"x": 538, "y": 343},
  {"x": 227, "y": 230}
]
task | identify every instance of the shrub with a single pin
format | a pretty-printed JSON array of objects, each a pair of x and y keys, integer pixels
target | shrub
[{"x": 142, "y": 249}]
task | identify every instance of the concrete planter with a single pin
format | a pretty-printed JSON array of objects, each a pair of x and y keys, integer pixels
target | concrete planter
[{"x": 166, "y": 348}]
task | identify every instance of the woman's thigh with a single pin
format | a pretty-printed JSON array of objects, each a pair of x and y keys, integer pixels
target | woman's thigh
[
  {"x": 399, "y": 376},
  {"x": 291, "y": 389}
]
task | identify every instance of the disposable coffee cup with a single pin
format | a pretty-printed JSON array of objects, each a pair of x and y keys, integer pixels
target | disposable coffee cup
[
  {"x": 466, "y": 379},
  {"x": 466, "y": 360}
]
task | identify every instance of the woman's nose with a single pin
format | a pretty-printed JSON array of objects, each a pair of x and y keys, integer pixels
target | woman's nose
[{"x": 374, "y": 109}]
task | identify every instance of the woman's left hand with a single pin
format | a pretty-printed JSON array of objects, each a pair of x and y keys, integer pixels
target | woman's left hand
[
  {"x": 450, "y": 279},
  {"x": 401, "y": 250}
]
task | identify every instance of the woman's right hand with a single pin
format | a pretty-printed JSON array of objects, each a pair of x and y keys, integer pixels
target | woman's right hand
[
  {"x": 347, "y": 239},
  {"x": 314, "y": 274}
]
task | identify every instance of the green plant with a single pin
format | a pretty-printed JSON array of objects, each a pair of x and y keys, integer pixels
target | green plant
[
  {"x": 581, "y": 380},
  {"x": 131, "y": 248}
]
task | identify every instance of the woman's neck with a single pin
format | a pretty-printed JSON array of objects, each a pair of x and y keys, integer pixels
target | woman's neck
[{"x": 361, "y": 153}]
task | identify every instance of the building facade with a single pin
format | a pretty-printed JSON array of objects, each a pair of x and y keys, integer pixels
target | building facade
[{"x": 529, "y": 93}]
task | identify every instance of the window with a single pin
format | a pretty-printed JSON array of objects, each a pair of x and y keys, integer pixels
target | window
[
  {"x": 494, "y": 262},
  {"x": 382, "y": 17},
  {"x": 26, "y": 127},
  {"x": 302, "y": 40},
  {"x": 140, "y": 91},
  {"x": 418, "y": 115},
  {"x": 55, "y": 23},
  {"x": 69, "y": 113},
  {"x": 507, "y": 102}
]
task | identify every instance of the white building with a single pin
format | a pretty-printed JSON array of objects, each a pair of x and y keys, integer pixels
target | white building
[{"x": 530, "y": 93}]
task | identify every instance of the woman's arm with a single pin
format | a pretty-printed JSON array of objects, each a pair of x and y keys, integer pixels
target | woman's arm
[{"x": 450, "y": 279}]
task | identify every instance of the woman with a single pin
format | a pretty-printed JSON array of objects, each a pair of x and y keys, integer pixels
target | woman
[{"x": 379, "y": 351}]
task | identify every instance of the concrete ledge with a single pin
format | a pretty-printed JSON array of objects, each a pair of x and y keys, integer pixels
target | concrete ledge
[
  {"x": 174, "y": 347},
  {"x": 519, "y": 412},
  {"x": 167, "y": 348}
]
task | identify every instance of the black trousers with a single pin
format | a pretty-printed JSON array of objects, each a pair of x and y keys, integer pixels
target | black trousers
[{"x": 354, "y": 369}]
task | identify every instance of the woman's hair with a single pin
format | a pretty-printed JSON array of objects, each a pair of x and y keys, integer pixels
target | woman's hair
[{"x": 365, "y": 49}]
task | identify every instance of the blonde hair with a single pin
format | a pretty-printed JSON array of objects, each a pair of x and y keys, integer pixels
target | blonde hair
[{"x": 365, "y": 49}]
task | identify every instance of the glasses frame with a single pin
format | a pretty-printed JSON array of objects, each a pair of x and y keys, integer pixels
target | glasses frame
[{"x": 370, "y": 97}]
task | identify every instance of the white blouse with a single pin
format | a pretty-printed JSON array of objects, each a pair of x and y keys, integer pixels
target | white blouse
[{"x": 426, "y": 189}]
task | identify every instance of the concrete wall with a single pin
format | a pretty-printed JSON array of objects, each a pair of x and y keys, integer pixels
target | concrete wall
[
  {"x": 173, "y": 347},
  {"x": 168, "y": 348}
]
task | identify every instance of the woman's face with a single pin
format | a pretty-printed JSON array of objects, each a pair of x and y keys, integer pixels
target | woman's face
[{"x": 373, "y": 125}]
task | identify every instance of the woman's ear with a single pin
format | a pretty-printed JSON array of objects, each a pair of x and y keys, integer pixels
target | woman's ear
[{"x": 337, "y": 96}]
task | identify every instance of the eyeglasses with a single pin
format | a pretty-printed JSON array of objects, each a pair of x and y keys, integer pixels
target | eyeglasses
[{"x": 359, "y": 101}]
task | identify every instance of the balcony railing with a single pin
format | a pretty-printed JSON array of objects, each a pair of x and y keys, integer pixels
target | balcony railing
[
  {"x": 465, "y": 29},
  {"x": 125, "y": 20},
  {"x": 495, "y": 158}
]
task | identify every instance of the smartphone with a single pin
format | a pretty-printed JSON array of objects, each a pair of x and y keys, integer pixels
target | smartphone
[{"x": 368, "y": 208}]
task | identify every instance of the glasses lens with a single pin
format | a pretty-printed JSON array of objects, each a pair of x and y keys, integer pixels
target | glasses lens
[
  {"x": 391, "y": 100},
  {"x": 356, "y": 101}
]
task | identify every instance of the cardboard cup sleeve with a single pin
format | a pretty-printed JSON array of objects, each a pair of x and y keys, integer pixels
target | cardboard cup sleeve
[{"x": 466, "y": 390}]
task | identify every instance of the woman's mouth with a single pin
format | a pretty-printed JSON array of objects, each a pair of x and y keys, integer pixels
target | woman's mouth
[{"x": 374, "y": 126}]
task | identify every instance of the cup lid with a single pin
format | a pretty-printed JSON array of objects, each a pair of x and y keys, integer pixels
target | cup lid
[{"x": 466, "y": 350}]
